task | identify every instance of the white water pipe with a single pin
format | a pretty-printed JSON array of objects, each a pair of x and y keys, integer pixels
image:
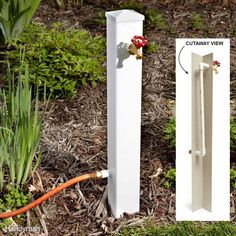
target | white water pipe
[{"x": 202, "y": 153}]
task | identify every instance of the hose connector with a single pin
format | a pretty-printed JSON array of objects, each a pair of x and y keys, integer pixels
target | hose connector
[{"x": 102, "y": 174}]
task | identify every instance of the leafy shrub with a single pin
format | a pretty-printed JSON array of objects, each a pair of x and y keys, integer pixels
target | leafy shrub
[
  {"x": 232, "y": 133},
  {"x": 170, "y": 178},
  {"x": 15, "y": 15},
  {"x": 198, "y": 21},
  {"x": 233, "y": 178},
  {"x": 169, "y": 132},
  {"x": 20, "y": 129},
  {"x": 62, "y": 58},
  {"x": 152, "y": 47},
  {"x": 156, "y": 19}
]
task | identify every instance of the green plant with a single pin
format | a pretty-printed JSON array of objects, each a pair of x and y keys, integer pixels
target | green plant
[
  {"x": 156, "y": 19},
  {"x": 15, "y": 15},
  {"x": 170, "y": 178},
  {"x": 232, "y": 133},
  {"x": 20, "y": 128},
  {"x": 233, "y": 178},
  {"x": 152, "y": 47},
  {"x": 13, "y": 199},
  {"x": 60, "y": 3},
  {"x": 233, "y": 30},
  {"x": 198, "y": 21},
  {"x": 169, "y": 132},
  {"x": 133, "y": 5},
  {"x": 182, "y": 229},
  {"x": 62, "y": 58},
  {"x": 101, "y": 18},
  {"x": 170, "y": 129},
  {"x": 68, "y": 3},
  {"x": 5, "y": 223}
]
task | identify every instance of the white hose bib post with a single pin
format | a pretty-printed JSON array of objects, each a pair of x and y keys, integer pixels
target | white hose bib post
[{"x": 124, "y": 84}]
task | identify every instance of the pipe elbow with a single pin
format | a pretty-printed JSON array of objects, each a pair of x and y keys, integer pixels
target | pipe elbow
[
  {"x": 201, "y": 153},
  {"x": 203, "y": 66}
]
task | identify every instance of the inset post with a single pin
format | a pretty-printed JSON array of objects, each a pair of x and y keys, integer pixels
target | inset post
[
  {"x": 202, "y": 96},
  {"x": 124, "y": 84}
]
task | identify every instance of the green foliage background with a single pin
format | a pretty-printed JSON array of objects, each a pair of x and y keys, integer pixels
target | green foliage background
[{"x": 62, "y": 58}]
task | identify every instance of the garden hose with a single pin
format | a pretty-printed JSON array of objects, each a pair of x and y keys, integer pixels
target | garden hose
[{"x": 94, "y": 175}]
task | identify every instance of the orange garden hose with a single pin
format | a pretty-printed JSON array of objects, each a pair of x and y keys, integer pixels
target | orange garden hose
[{"x": 94, "y": 175}]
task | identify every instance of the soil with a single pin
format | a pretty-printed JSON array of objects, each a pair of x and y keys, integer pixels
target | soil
[{"x": 74, "y": 136}]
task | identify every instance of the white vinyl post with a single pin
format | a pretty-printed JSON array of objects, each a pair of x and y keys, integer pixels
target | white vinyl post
[{"x": 124, "y": 84}]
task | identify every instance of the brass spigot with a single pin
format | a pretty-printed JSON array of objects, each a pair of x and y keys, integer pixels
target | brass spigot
[
  {"x": 134, "y": 48},
  {"x": 216, "y": 66}
]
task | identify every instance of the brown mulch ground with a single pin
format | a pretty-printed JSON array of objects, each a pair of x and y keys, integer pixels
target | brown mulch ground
[
  {"x": 74, "y": 137},
  {"x": 74, "y": 141}
]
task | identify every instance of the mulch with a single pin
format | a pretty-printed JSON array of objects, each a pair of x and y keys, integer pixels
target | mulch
[{"x": 74, "y": 136}]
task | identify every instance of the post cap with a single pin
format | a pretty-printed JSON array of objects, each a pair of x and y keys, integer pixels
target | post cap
[{"x": 125, "y": 15}]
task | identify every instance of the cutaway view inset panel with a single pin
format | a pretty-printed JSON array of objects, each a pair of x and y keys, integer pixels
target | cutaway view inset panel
[{"x": 202, "y": 129}]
